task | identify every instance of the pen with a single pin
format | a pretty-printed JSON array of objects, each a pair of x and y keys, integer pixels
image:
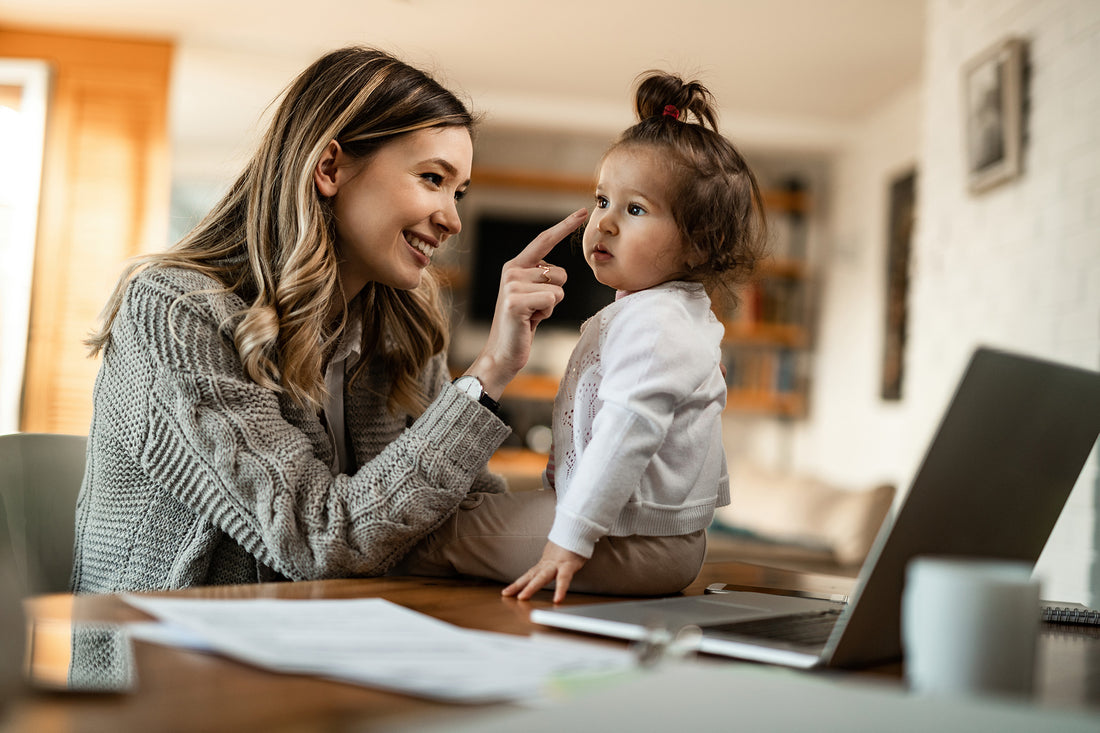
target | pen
[{"x": 723, "y": 588}]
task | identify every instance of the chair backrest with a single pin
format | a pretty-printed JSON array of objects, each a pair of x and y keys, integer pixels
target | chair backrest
[{"x": 40, "y": 477}]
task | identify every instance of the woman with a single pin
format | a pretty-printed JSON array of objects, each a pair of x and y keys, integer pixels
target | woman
[{"x": 273, "y": 400}]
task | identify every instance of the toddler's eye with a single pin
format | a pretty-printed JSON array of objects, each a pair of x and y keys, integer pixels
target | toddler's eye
[
  {"x": 635, "y": 210},
  {"x": 601, "y": 202}
]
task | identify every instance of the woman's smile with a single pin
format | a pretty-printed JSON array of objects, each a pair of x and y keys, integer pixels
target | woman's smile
[{"x": 424, "y": 247}]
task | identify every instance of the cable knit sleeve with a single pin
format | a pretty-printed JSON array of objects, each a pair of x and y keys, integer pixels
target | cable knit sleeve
[
  {"x": 438, "y": 378},
  {"x": 224, "y": 447}
]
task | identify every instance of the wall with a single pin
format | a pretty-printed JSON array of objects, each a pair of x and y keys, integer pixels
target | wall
[
  {"x": 856, "y": 440},
  {"x": 850, "y": 437},
  {"x": 1016, "y": 267}
]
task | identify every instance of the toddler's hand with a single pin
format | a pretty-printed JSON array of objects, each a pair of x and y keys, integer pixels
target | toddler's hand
[{"x": 557, "y": 564}]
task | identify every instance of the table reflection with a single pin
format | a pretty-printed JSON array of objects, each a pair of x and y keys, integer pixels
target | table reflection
[{"x": 63, "y": 653}]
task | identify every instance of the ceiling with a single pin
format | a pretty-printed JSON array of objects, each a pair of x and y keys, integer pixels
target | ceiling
[{"x": 772, "y": 64}]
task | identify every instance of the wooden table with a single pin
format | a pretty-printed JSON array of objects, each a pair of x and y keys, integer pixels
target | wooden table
[{"x": 183, "y": 690}]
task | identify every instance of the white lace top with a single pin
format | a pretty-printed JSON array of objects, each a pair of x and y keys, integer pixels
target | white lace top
[{"x": 638, "y": 421}]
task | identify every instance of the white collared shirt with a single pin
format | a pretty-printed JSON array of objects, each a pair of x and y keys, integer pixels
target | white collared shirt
[{"x": 344, "y": 359}]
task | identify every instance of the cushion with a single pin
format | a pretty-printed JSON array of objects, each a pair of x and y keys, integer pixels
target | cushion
[{"x": 805, "y": 511}]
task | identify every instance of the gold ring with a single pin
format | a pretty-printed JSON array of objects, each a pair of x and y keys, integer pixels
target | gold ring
[{"x": 545, "y": 273}]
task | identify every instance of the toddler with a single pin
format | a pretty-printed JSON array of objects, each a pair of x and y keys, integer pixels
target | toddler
[{"x": 637, "y": 467}]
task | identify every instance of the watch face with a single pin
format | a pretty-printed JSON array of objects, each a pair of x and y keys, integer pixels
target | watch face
[{"x": 470, "y": 386}]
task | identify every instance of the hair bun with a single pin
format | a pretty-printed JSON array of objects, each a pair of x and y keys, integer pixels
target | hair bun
[{"x": 659, "y": 90}]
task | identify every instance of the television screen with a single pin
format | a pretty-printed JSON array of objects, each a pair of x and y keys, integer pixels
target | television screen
[{"x": 499, "y": 238}]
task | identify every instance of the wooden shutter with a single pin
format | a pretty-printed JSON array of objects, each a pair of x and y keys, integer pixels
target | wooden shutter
[{"x": 105, "y": 191}]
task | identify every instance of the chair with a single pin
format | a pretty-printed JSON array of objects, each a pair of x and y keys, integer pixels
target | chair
[{"x": 40, "y": 476}]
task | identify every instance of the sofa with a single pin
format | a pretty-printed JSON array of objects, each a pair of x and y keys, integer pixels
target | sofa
[{"x": 797, "y": 522}]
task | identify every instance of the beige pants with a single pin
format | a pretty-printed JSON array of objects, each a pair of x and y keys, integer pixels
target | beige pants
[{"x": 501, "y": 536}]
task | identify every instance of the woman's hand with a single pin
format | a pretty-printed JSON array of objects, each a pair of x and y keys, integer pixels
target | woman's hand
[
  {"x": 557, "y": 564},
  {"x": 529, "y": 290}
]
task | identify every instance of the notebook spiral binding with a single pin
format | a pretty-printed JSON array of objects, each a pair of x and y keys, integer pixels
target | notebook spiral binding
[{"x": 1064, "y": 615}]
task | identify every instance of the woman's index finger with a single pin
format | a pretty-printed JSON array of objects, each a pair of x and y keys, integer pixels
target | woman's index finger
[{"x": 541, "y": 245}]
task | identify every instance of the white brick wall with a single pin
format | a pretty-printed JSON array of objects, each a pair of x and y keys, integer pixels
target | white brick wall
[{"x": 1017, "y": 266}]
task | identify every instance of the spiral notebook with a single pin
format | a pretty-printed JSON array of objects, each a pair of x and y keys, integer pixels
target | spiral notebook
[
  {"x": 1057, "y": 612},
  {"x": 993, "y": 481}
]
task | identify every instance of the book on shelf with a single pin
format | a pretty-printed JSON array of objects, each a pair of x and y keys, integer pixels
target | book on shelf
[
  {"x": 761, "y": 369},
  {"x": 774, "y": 300}
]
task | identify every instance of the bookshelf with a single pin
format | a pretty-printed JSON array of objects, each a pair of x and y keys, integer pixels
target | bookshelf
[
  {"x": 767, "y": 336},
  {"x": 767, "y": 342}
]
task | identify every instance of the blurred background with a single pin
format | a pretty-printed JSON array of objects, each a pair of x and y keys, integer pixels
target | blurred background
[{"x": 901, "y": 237}]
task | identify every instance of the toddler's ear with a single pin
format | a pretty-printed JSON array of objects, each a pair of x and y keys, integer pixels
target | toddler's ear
[
  {"x": 324, "y": 174},
  {"x": 693, "y": 256}
]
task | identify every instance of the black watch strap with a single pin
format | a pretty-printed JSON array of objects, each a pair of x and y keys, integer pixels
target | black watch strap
[
  {"x": 489, "y": 402},
  {"x": 472, "y": 386}
]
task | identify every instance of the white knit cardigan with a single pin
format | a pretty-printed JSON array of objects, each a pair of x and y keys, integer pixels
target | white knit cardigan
[{"x": 638, "y": 421}]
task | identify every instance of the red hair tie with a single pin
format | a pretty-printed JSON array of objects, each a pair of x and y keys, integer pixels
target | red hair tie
[{"x": 671, "y": 111}]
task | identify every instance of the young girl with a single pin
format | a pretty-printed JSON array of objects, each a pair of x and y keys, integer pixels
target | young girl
[
  {"x": 274, "y": 400},
  {"x": 638, "y": 465}
]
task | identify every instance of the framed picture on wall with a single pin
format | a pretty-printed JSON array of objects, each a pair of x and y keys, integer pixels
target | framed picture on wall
[
  {"x": 993, "y": 104},
  {"x": 902, "y": 219}
]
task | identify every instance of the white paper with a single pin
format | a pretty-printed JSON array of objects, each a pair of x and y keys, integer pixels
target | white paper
[
  {"x": 166, "y": 634},
  {"x": 374, "y": 642}
]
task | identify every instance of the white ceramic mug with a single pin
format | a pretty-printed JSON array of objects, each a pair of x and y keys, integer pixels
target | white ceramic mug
[{"x": 969, "y": 626}]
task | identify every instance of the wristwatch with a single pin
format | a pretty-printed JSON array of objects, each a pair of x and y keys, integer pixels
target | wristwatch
[{"x": 472, "y": 386}]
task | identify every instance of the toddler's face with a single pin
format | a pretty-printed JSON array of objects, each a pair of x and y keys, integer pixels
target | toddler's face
[{"x": 631, "y": 241}]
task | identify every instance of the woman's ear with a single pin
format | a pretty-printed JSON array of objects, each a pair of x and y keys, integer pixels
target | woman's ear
[{"x": 324, "y": 175}]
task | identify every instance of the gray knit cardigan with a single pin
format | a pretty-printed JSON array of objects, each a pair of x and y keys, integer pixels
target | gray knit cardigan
[{"x": 196, "y": 475}]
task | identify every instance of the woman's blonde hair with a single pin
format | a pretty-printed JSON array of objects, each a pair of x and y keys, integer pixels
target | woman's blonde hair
[{"x": 271, "y": 239}]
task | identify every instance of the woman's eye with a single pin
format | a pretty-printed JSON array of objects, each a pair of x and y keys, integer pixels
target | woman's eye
[
  {"x": 601, "y": 202},
  {"x": 459, "y": 195},
  {"x": 433, "y": 178},
  {"x": 635, "y": 210}
]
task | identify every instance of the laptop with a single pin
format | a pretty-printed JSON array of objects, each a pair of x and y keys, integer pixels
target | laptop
[{"x": 1007, "y": 452}]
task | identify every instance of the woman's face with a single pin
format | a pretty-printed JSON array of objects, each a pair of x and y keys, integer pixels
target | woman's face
[{"x": 396, "y": 208}]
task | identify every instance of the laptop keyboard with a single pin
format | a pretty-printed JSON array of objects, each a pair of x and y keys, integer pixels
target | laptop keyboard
[{"x": 805, "y": 629}]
